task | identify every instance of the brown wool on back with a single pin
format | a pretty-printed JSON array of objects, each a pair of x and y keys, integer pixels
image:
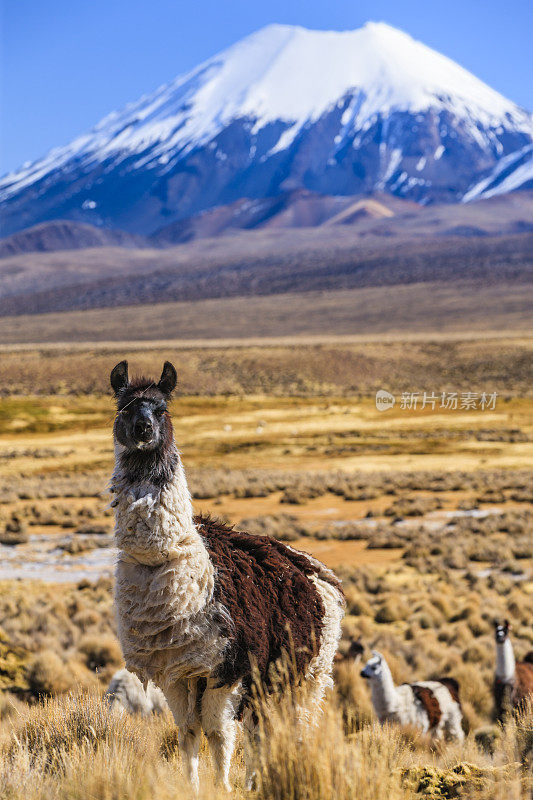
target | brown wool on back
[
  {"x": 273, "y": 605},
  {"x": 429, "y": 702},
  {"x": 453, "y": 687},
  {"x": 523, "y": 687}
]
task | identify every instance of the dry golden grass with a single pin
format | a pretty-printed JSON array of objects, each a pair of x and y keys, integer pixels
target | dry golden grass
[
  {"x": 48, "y": 434},
  {"x": 381, "y": 497},
  {"x": 73, "y": 748},
  {"x": 319, "y": 365},
  {"x": 56, "y": 637}
]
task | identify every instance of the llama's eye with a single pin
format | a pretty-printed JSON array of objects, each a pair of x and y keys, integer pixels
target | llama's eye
[
  {"x": 159, "y": 412},
  {"x": 126, "y": 412}
]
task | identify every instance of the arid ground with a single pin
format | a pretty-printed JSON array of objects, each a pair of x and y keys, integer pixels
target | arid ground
[{"x": 425, "y": 513}]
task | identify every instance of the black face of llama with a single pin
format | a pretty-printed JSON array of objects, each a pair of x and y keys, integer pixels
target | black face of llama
[
  {"x": 143, "y": 429},
  {"x": 501, "y": 631}
]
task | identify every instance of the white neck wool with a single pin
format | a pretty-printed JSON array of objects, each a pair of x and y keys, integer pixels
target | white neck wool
[
  {"x": 505, "y": 661},
  {"x": 164, "y": 582},
  {"x": 384, "y": 696}
]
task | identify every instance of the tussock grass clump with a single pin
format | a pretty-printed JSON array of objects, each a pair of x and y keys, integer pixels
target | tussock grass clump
[
  {"x": 42, "y": 628},
  {"x": 56, "y": 727},
  {"x": 317, "y": 761},
  {"x": 15, "y": 531},
  {"x": 84, "y": 544},
  {"x": 281, "y": 526},
  {"x": 101, "y": 653},
  {"x": 392, "y": 611},
  {"x": 412, "y": 507},
  {"x": 48, "y": 675}
]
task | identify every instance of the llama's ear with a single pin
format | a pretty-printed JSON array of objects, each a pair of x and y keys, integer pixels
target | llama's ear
[
  {"x": 496, "y": 624},
  {"x": 119, "y": 377},
  {"x": 168, "y": 379},
  {"x": 356, "y": 647},
  {"x": 377, "y": 655},
  {"x": 507, "y": 625}
]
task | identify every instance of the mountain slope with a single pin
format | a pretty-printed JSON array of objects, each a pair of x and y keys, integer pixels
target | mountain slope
[
  {"x": 64, "y": 235},
  {"x": 283, "y": 109},
  {"x": 511, "y": 173},
  {"x": 297, "y": 209},
  {"x": 378, "y": 215}
]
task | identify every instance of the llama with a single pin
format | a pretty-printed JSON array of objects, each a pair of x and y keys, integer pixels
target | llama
[
  {"x": 126, "y": 693},
  {"x": 432, "y": 706},
  {"x": 202, "y": 608},
  {"x": 513, "y": 681},
  {"x": 353, "y": 654}
]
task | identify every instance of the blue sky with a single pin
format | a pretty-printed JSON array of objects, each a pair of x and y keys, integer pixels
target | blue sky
[{"x": 67, "y": 63}]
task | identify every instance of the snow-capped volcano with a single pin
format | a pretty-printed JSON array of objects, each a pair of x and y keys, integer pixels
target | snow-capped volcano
[{"x": 284, "y": 108}]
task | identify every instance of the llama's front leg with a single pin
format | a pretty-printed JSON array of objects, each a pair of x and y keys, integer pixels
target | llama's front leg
[
  {"x": 183, "y": 707},
  {"x": 437, "y": 733},
  {"x": 250, "y": 749},
  {"x": 222, "y": 744},
  {"x": 453, "y": 725},
  {"x": 218, "y": 722},
  {"x": 189, "y": 739}
]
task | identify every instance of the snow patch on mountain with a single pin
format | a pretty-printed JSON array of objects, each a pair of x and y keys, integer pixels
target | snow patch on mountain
[{"x": 511, "y": 173}]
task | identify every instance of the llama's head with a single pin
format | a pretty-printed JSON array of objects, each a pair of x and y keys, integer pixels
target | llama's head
[
  {"x": 373, "y": 667},
  {"x": 501, "y": 630},
  {"x": 355, "y": 650},
  {"x": 142, "y": 423}
]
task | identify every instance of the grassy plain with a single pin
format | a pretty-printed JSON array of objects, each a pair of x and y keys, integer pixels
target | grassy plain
[
  {"x": 462, "y": 306},
  {"x": 426, "y": 514}
]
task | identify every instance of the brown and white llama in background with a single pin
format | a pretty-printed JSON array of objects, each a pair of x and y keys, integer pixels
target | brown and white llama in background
[
  {"x": 431, "y": 706},
  {"x": 126, "y": 693},
  {"x": 198, "y": 602},
  {"x": 513, "y": 681}
]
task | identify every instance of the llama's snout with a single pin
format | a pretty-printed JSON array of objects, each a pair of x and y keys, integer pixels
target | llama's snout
[
  {"x": 501, "y": 631},
  {"x": 143, "y": 430}
]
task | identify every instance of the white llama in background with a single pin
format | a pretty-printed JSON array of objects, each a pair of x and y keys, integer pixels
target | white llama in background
[
  {"x": 431, "y": 706},
  {"x": 513, "y": 681},
  {"x": 126, "y": 692}
]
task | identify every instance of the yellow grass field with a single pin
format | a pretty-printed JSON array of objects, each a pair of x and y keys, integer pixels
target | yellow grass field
[{"x": 426, "y": 514}]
